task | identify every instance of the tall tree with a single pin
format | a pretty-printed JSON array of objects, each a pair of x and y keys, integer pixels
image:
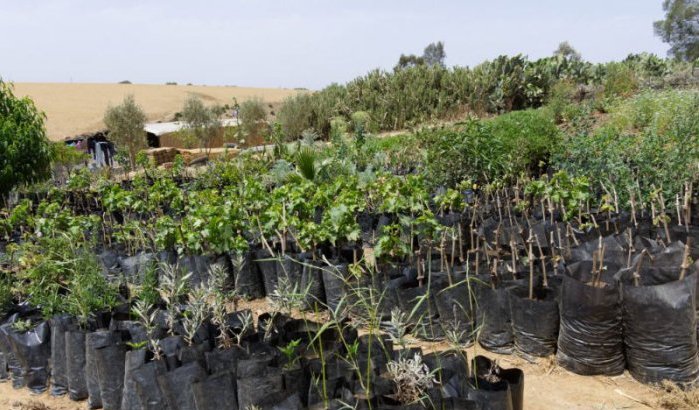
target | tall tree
[
  {"x": 125, "y": 123},
  {"x": 25, "y": 152},
  {"x": 410, "y": 60},
  {"x": 567, "y": 51},
  {"x": 680, "y": 28},
  {"x": 434, "y": 54}
]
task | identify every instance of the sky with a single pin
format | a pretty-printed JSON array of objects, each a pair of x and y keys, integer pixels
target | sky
[{"x": 299, "y": 43}]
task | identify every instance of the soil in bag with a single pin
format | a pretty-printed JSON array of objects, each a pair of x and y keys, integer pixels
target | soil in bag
[
  {"x": 253, "y": 391},
  {"x": 110, "y": 370},
  {"x": 94, "y": 341},
  {"x": 493, "y": 318},
  {"x": 312, "y": 284},
  {"x": 334, "y": 285},
  {"x": 295, "y": 381},
  {"x": 248, "y": 281},
  {"x": 194, "y": 353},
  {"x": 534, "y": 321},
  {"x": 32, "y": 350},
  {"x": 266, "y": 266},
  {"x": 446, "y": 367},
  {"x": 59, "y": 374},
  {"x": 660, "y": 333},
  {"x": 488, "y": 370},
  {"x": 455, "y": 308},
  {"x": 133, "y": 360},
  {"x": 222, "y": 360},
  {"x": 216, "y": 392},
  {"x": 415, "y": 299},
  {"x": 590, "y": 336},
  {"x": 170, "y": 347},
  {"x": 75, "y": 365},
  {"x": 13, "y": 368},
  {"x": 176, "y": 385},
  {"x": 3, "y": 367},
  {"x": 490, "y": 395},
  {"x": 150, "y": 397}
]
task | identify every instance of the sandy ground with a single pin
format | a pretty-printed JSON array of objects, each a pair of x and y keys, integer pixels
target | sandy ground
[
  {"x": 74, "y": 108},
  {"x": 546, "y": 386}
]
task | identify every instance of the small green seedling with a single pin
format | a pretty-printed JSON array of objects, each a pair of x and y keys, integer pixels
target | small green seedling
[
  {"x": 23, "y": 326},
  {"x": 289, "y": 351}
]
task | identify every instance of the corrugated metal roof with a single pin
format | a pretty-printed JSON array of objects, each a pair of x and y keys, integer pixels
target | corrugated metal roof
[{"x": 162, "y": 128}]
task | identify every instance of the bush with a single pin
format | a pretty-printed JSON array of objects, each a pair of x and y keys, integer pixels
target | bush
[
  {"x": 649, "y": 140},
  {"x": 489, "y": 150},
  {"x": 253, "y": 119},
  {"x": 202, "y": 121},
  {"x": 25, "y": 152},
  {"x": 454, "y": 155},
  {"x": 125, "y": 123},
  {"x": 360, "y": 122},
  {"x": 560, "y": 99},
  {"x": 620, "y": 81},
  {"x": 408, "y": 96},
  {"x": 295, "y": 115},
  {"x": 528, "y": 137},
  {"x": 5, "y": 292}
]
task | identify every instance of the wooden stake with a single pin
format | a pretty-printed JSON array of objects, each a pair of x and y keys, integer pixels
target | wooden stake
[
  {"x": 685, "y": 258},
  {"x": 687, "y": 204},
  {"x": 631, "y": 248},
  {"x": 632, "y": 201},
  {"x": 542, "y": 258},
  {"x": 637, "y": 271},
  {"x": 513, "y": 254},
  {"x": 531, "y": 269},
  {"x": 494, "y": 274}
]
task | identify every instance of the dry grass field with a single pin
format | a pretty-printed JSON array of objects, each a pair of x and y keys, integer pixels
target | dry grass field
[{"x": 74, "y": 108}]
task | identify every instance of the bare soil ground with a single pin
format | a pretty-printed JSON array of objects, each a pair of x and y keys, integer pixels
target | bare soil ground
[
  {"x": 74, "y": 108},
  {"x": 546, "y": 386}
]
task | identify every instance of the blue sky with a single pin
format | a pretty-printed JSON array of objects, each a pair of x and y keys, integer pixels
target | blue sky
[{"x": 300, "y": 43}]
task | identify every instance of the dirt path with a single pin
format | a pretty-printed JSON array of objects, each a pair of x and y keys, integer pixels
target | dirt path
[{"x": 11, "y": 399}]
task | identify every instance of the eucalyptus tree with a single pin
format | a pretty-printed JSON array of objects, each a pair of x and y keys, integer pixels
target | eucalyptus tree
[{"x": 680, "y": 28}]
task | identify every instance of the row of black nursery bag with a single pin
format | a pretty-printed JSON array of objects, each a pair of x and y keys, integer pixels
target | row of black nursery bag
[
  {"x": 638, "y": 312},
  {"x": 595, "y": 321},
  {"x": 105, "y": 367}
]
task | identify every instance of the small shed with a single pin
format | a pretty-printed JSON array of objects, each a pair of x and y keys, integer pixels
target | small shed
[{"x": 168, "y": 134}]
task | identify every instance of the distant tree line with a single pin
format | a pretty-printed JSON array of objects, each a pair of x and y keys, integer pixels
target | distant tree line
[{"x": 421, "y": 89}]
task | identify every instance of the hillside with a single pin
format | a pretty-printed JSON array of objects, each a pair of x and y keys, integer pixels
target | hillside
[{"x": 74, "y": 108}]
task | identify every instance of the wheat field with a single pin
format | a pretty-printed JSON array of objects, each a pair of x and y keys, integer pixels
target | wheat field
[{"x": 74, "y": 108}]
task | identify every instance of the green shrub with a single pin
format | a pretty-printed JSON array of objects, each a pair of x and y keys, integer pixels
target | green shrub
[
  {"x": 125, "y": 123},
  {"x": 454, "y": 155},
  {"x": 489, "y": 150},
  {"x": 25, "y": 152},
  {"x": 560, "y": 99},
  {"x": 295, "y": 115},
  {"x": 360, "y": 122},
  {"x": 649, "y": 140},
  {"x": 620, "y": 81},
  {"x": 5, "y": 292},
  {"x": 528, "y": 138},
  {"x": 253, "y": 119},
  {"x": 88, "y": 291}
]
